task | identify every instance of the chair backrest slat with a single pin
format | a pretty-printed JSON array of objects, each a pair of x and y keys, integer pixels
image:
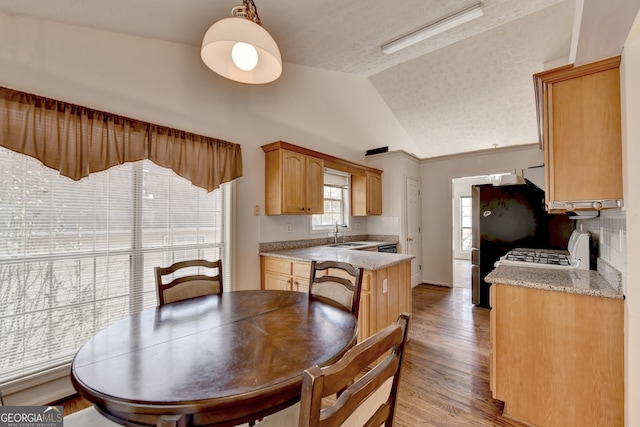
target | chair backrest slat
[
  {"x": 177, "y": 282},
  {"x": 365, "y": 380},
  {"x": 339, "y": 281}
]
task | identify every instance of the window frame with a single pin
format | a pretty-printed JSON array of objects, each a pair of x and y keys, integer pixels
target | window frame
[
  {"x": 462, "y": 228},
  {"x": 345, "y": 203},
  {"x": 18, "y": 377}
]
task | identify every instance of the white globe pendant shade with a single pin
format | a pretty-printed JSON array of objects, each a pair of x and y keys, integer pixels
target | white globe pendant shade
[{"x": 225, "y": 50}]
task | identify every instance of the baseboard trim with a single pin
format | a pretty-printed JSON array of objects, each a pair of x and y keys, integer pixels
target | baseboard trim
[{"x": 40, "y": 388}]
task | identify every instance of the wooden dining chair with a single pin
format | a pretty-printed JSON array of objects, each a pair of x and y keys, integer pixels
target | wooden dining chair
[
  {"x": 365, "y": 378},
  {"x": 186, "y": 279},
  {"x": 338, "y": 281},
  {"x": 88, "y": 417}
]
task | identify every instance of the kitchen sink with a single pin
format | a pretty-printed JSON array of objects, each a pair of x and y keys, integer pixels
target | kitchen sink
[{"x": 347, "y": 245}]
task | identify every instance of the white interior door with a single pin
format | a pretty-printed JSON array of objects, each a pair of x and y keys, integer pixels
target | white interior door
[{"x": 414, "y": 236}]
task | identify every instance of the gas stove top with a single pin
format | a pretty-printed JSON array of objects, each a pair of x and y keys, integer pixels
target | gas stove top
[
  {"x": 577, "y": 255},
  {"x": 539, "y": 257}
]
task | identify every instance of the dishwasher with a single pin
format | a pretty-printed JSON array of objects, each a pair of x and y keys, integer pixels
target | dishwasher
[{"x": 391, "y": 248}]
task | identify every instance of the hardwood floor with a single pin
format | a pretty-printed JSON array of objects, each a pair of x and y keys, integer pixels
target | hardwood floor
[
  {"x": 445, "y": 373},
  {"x": 462, "y": 273},
  {"x": 72, "y": 404}
]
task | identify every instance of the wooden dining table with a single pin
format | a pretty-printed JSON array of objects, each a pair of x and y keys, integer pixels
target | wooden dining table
[{"x": 217, "y": 360}]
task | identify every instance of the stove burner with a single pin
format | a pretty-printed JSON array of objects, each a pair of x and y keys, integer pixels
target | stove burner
[{"x": 538, "y": 257}]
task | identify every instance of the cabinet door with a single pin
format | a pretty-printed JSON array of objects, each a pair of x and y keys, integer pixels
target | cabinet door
[
  {"x": 301, "y": 275},
  {"x": 358, "y": 195},
  {"x": 366, "y": 194},
  {"x": 585, "y": 150},
  {"x": 276, "y": 273},
  {"x": 293, "y": 177},
  {"x": 364, "y": 316},
  {"x": 314, "y": 186},
  {"x": 300, "y": 285},
  {"x": 492, "y": 339},
  {"x": 374, "y": 194},
  {"x": 277, "y": 282}
]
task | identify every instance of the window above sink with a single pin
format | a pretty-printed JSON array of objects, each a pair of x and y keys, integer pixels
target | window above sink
[{"x": 336, "y": 202}]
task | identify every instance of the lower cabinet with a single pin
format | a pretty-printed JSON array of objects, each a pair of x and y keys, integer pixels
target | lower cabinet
[
  {"x": 385, "y": 292},
  {"x": 557, "y": 358},
  {"x": 390, "y": 293},
  {"x": 285, "y": 275}
]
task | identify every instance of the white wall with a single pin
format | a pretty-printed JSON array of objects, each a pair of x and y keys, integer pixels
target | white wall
[
  {"x": 436, "y": 175},
  {"x": 397, "y": 167},
  {"x": 631, "y": 155},
  {"x": 167, "y": 84}
]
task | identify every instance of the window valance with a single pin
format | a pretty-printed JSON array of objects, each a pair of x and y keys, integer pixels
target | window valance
[{"x": 78, "y": 141}]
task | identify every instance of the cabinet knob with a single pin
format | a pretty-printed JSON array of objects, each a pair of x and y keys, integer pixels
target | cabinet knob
[
  {"x": 597, "y": 205},
  {"x": 569, "y": 206}
]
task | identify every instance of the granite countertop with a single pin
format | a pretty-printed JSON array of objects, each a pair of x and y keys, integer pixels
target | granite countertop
[
  {"x": 368, "y": 260},
  {"x": 606, "y": 282}
]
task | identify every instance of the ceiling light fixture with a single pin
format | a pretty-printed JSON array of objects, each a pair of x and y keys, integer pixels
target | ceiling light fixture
[
  {"x": 436, "y": 27},
  {"x": 239, "y": 49}
]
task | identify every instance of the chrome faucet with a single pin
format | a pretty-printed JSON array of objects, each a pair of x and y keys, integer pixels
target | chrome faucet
[{"x": 335, "y": 235}]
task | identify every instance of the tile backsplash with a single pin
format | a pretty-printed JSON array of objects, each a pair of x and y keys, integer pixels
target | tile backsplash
[{"x": 610, "y": 231}]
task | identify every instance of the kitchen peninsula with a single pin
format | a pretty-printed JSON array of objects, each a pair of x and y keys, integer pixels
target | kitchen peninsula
[
  {"x": 557, "y": 342},
  {"x": 386, "y": 285}
]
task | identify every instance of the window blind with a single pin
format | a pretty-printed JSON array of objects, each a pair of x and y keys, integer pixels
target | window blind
[{"x": 76, "y": 256}]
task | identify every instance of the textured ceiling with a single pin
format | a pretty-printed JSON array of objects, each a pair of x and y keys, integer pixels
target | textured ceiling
[
  {"x": 477, "y": 93},
  {"x": 464, "y": 90}
]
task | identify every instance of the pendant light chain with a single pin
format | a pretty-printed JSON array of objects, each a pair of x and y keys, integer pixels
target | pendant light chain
[
  {"x": 251, "y": 11},
  {"x": 240, "y": 51}
]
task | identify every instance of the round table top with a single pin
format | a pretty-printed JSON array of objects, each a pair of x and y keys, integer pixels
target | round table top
[{"x": 216, "y": 359}]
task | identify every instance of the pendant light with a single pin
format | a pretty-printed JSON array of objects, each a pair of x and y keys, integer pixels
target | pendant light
[{"x": 239, "y": 49}]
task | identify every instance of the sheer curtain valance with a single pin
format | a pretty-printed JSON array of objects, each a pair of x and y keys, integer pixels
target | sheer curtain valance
[{"x": 78, "y": 141}]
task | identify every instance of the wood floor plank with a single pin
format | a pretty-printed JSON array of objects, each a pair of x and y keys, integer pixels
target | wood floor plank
[{"x": 445, "y": 372}]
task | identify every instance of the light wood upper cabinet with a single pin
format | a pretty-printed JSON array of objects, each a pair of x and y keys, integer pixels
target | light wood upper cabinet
[
  {"x": 315, "y": 185},
  {"x": 579, "y": 122},
  {"x": 293, "y": 183},
  {"x": 366, "y": 194}
]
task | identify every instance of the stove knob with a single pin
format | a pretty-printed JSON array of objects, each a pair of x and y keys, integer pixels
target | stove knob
[
  {"x": 597, "y": 205},
  {"x": 569, "y": 206}
]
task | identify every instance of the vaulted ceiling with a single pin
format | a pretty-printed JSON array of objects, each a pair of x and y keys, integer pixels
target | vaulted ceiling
[{"x": 467, "y": 89}]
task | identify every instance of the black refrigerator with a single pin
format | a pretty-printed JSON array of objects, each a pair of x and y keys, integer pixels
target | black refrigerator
[{"x": 505, "y": 217}]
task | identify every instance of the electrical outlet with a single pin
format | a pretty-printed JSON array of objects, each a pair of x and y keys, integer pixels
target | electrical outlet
[
  {"x": 256, "y": 210},
  {"x": 288, "y": 228}
]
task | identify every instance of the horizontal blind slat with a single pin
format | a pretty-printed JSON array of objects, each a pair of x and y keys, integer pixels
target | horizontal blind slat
[{"x": 67, "y": 249}]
